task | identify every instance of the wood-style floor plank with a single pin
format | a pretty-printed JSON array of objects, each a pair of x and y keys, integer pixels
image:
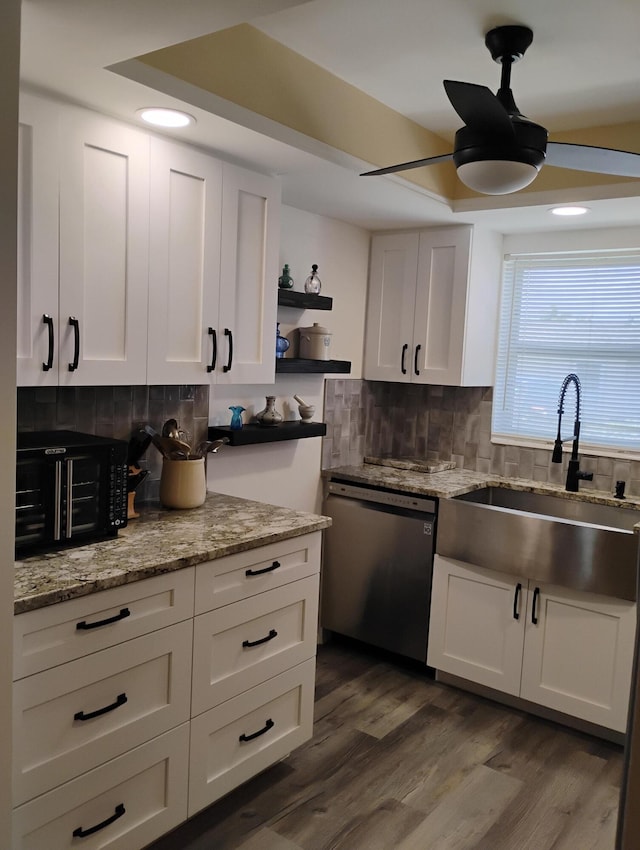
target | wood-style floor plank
[{"x": 401, "y": 762}]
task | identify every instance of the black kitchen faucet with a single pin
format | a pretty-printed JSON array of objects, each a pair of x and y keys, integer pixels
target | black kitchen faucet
[{"x": 574, "y": 473}]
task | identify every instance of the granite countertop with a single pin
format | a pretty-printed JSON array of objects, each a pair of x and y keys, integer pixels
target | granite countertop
[
  {"x": 158, "y": 542},
  {"x": 457, "y": 482}
]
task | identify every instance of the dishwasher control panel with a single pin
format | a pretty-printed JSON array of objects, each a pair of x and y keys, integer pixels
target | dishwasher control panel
[{"x": 383, "y": 497}]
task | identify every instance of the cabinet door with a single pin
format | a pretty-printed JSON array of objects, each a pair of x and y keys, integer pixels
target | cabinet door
[
  {"x": 184, "y": 264},
  {"x": 37, "y": 243},
  {"x": 441, "y": 300},
  {"x": 477, "y": 624},
  {"x": 389, "y": 350},
  {"x": 104, "y": 224},
  {"x": 579, "y": 654},
  {"x": 248, "y": 277}
]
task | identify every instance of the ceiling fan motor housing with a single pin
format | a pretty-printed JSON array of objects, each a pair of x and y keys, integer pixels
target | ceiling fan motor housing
[{"x": 528, "y": 145}]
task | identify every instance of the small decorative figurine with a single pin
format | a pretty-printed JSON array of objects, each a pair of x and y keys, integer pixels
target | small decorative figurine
[
  {"x": 285, "y": 281},
  {"x": 313, "y": 284},
  {"x": 236, "y": 418},
  {"x": 282, "y": 343}
]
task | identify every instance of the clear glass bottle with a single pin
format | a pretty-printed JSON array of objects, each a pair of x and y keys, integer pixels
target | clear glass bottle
[{"x": 313, "y": 284}]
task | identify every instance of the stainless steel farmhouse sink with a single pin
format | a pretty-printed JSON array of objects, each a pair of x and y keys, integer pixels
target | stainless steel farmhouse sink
[{"x": 548, "y": 538}]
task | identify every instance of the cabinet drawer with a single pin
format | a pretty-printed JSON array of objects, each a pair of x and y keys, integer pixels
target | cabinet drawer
[
  {"x": 149, "y": 782},
  {"x": 244, "y": 735},
  {"x": 244, "y": 574},
  {"x": 74, "y": 717},
  {"x": 241, "y": 645},
  {"x": 59, "y": 633}
]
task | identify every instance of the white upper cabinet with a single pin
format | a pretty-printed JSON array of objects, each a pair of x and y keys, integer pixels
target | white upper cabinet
[
  {"x": 104, "y": 250},
  {"x": 433, "y": 305},
  {"x": 184, "y": 264},
  {"x": 248, "y": 277},
  {"x": 140, "y": 260},
  {"x": 83, "y": 247},
  {"x": 37, "y": 344}
]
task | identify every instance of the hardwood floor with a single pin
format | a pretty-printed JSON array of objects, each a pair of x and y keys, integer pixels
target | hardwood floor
[{"x": 400, "y": 762}]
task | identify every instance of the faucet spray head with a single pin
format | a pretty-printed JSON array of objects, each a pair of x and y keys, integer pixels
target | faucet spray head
[{"x": 556, "y": 457}]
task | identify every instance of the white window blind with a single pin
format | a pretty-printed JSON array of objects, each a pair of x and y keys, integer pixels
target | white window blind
[{"x": 566, "y": 313}]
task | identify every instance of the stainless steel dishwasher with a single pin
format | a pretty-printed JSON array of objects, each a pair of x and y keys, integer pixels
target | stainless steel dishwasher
[{"x": 377, "y": 567}]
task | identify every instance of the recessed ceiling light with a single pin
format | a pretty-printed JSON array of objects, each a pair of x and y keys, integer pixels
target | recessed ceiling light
[
  {"x": 569, "y": 210},
  {"x": 161, "y": 117}
]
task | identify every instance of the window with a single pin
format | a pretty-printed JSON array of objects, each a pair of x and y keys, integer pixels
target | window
[{"x": 566, "y": 313}]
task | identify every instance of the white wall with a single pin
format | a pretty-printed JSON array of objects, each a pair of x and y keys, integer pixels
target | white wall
[
  {"x": 9, "y": 68},
  {"x": 288, "y": 473},
  {"x": 572, "y": 240}
]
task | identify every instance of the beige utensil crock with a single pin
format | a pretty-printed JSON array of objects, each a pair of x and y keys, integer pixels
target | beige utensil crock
[{"x": 183, "y": 483}]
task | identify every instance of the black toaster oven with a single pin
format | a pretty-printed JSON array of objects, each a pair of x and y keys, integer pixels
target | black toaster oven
[{"x": 71, "y": 488}]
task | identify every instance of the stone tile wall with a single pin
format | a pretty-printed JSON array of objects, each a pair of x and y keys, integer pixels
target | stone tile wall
[
  {"x": 117, "y": 412},
  {"x": 443, "y": 423}
]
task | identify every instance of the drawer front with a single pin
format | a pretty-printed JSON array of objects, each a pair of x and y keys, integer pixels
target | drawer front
[
  {"x": 149, "y": 784},
  {"x": 236, "y": 740},
  {"x": 242, "y": 575},
  {"x": 60, "y": 633},
  {"x": 77, "y": 716},
  {"x": 241, "y": 645}
]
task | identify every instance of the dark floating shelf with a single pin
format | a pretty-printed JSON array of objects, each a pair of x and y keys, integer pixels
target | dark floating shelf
[
  {"x": 298, "y": 364},
  {"x": 303, "y": 300},
  {"x": 250, "y": 434}
]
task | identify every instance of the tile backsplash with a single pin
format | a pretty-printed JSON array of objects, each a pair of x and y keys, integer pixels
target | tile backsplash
[
  {"x": 117, "y": 412},
  {"x": 443, "y": 423}
]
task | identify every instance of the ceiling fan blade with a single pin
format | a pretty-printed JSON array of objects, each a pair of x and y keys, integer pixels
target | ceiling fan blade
[
  {"x": 479, "y": 108},
  {"x": 405, "y": 166},
  {"x": 590, "y": 158}
]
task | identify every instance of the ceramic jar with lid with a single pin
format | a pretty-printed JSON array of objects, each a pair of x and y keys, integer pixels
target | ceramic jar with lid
[{"x": 315, "y": 343}]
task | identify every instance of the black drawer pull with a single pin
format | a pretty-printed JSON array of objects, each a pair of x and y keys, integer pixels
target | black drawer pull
[
  {"x": 124, "y": 612},
  {"x": 403, "y": 368},
  {"x": 415, "y": 360},
  {"x": 272, "y": 634},
  {"x": 534, "y": 616},
  {"x": 47, "y": 320},
  {"x": 75, "y": 324},
  {"x": 270, "y": 569},
  {"x": 120, "y": 700},
  {"x": 214, "y": 349},
  {"x": 516, "y": 601},
  {"x": 83, "y": 833},
  {"x": 268, "y": 725}
]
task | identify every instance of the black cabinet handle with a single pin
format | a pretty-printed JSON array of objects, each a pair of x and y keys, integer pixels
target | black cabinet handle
[
  {"x": 403, "y": 368},
  {"x": 120, "y": 700},
  {"x": 415, "y": 360},
  {"x": 534, "y": 616},
  {"x": 272, "y": 634},
  {"x": 268, "y": 725},
  {"x": 47, "y": 320},
  {"x": 75, "y": 324},
  {"x": 83, "y": 833},
  {"x": 124, "y": 612},
  {"x": 214, "y": 349},
  {"x": 270, "y": 569},
  {"x": 228, "y": 333},
  {"x": 516, "y": 602}
]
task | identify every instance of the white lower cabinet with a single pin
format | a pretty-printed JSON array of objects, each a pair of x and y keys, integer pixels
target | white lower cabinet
[
  {"x": 242, "y": 736},
  {"x": 559, "y": 648},
  {"x": 122, "y": 805},
  {"x": 130, "y": 713}
]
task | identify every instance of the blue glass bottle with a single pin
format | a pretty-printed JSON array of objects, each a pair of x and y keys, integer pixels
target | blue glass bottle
[
  {"x": 236, "y": 418},
  {"x": 282, "y": 343}
]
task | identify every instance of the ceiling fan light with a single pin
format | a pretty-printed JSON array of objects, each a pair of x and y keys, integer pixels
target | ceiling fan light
[{"x": 497, "y": 176}]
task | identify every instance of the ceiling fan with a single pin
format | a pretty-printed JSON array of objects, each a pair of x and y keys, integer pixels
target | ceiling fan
[{"x": 499, "y": 150}]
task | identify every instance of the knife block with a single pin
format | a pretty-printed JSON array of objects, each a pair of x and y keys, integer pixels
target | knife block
[{"x": 183, "y": 483}]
